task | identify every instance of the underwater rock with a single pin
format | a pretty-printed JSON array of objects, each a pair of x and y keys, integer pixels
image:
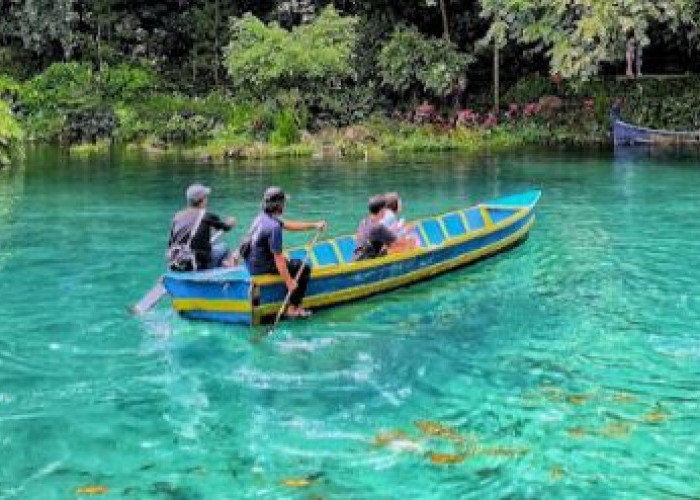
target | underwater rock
[
  {"x": 430, "y": 428},
  {"x": 624, "y": 398},
  {"x": 92, "y": 489},
  {"x": 302, "y": 482},
  {"x": 615, "y": 430},
  {"x": 502, "y": 451},
  {"x": 556, "y": 472},
  {"x": 577, "y": 432},
  {"x": 577, "y": 399},
  {"x": 446, "y": 458},
  {"x": 384, "y": 438}
]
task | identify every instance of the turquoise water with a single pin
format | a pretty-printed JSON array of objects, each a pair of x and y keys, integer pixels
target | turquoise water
[{"x": 568, "y": 367}]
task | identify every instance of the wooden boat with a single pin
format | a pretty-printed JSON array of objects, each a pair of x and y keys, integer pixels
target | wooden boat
[
  {"x": 447, "y": 241},
  {"x": 625, "y": 134}
]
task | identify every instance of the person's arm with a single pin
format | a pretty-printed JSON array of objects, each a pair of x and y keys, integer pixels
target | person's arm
[
  {"x": 281, "y": 264},
  {"x": 275, "y": 245},
  {"x": 221, "y": 225},
  {"x": 292, "y": 225}
]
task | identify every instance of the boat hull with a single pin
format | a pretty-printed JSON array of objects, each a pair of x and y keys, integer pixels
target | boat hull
[
  {"x": 449, "y": 241},
  {"x": 626, "y": 134}
]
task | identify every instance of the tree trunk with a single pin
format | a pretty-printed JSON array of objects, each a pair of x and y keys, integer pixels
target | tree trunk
[
  {"x": 496, "y": 83},
  {"x": 217, "y": 22},
  {"x": 99, "y": 48},
  {"x": 194, "y": 68},
  {"x": 445, "y": 23}
]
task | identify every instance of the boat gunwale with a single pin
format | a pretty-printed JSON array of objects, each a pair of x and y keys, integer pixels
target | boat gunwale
[
  {"x": 520, "y": 212},
  {"x": 661, "y": 131},
  {"x": 391, "y": 283}
]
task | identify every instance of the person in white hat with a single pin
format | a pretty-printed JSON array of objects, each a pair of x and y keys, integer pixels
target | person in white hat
[{"x": 189, "y": 246}]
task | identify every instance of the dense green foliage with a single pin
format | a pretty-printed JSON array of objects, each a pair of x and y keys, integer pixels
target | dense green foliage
[
  {"x": 410, "y": 61},
  {"x": 227, "y": 76},
  {"x": 263, "y": 59},
  {"x": 579, "y": 35},
  {"x": 10, "y": 134}
]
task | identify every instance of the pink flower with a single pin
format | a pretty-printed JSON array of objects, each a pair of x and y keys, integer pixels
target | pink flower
[
  {"x": 513, "y": 110},
  {"x": 467, "y": 117},
  {"x": 490, "y": 121},
  {"x": 531, "y": 109}
]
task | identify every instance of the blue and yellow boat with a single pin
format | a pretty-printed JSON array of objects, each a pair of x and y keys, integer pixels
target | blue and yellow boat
[{"x": 447, "y": 241}]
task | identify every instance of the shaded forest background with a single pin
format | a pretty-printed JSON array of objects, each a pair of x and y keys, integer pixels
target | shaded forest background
[{"x": 225, "y": 73}]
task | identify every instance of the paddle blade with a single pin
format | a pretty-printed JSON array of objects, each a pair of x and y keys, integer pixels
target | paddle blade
[{"x": 149, "y": 300}]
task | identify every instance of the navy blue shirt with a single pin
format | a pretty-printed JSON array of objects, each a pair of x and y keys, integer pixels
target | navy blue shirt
[{"x": 266, "y": 241}]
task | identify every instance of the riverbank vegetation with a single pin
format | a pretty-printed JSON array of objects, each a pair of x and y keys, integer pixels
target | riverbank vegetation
[
  {"x": 224, "y": 80},
  {"x": 11, "y": 135}
]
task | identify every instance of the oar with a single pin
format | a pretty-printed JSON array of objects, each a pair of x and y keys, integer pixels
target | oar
[
  {"x": 158, "y": 290},
  {"x": 309, "y": 247}
]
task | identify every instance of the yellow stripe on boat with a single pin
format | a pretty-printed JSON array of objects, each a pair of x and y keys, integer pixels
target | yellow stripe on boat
[
  {"x": 269, "y": 279},
  {"x": 398, "y": 281},
  {"x": 229, "y": 296},
  {"x": 212, "y": 305}
]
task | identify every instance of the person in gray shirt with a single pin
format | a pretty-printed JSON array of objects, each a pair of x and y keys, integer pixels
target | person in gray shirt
[
  {"x": 373, "y": 238},
  {"x": 189, "y": 246}
]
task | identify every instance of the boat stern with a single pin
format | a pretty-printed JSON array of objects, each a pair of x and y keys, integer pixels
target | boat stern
[{"x": 222, "y": 295}]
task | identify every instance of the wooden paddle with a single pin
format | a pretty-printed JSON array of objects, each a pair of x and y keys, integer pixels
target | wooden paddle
[
  {"x": 309, "y": 247},
  {"x": 158, "y": 290}
]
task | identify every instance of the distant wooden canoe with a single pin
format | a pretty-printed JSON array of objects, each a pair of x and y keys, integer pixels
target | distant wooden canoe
[
  {"x": 448, "y": 241},
  {"x": 626, "y": 134}
]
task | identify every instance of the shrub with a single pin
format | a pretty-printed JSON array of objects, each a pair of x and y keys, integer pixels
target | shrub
[
  {"x": 61, "y": 86},
  {"x": 9, "y": 88},
  {"x": 11, "y": 134},
  {"x": 286, "y": 131},
  {"x": 315, "y": 57},
  {"x": 125, "y": 83},
  {"x": 88, "y": 125},
  {"x": 410, "y": 61},
  {"x": 529, "y": 89}
]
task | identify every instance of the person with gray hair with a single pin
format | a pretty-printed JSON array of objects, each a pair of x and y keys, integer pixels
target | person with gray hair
[{"x": 190, "y": 246}]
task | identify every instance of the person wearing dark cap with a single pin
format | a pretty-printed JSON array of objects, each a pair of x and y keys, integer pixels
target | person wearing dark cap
[
  {"x": 189, "y": 246},
  {"x": 373, "y": 238},
  {"x": 266, "y": 250}
]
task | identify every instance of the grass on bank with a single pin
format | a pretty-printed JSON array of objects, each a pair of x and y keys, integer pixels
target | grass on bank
[
  {"x": 380, "y": 138},
  {"x": 73, "y": 105},
  {"x": 90, "y": 148}
]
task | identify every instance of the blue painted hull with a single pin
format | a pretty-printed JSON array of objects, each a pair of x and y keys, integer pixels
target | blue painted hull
[
  {"x": 448, "y": 241},
  {"x": 625, "y": 134}
]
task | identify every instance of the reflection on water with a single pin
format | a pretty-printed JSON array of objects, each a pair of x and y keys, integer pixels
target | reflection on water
[
  {"x": 11, "y": 191},
  {"x": 564, "y": 368}
]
